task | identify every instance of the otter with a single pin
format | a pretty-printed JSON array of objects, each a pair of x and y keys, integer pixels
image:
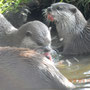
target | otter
[
  {"x": 33, "y": 35},
  {"x": 6, "y": 27},
  {"x": 72, "y": 28},
  {"x": 22, "y": 68}
]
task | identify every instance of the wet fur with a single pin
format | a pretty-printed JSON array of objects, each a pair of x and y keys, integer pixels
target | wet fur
[{"x": 72, "y": 27}]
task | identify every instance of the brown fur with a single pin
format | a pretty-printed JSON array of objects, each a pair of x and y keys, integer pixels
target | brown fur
[{"x": 22, "y": 69}]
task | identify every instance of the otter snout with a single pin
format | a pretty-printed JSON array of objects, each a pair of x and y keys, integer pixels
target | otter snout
[
  {"x": 49, "y": 9},
  {"x": 47, "y": 49},
  {"x": 49, "y": 14}
]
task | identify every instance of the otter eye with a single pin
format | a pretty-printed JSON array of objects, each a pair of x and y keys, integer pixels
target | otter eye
[
  {"x": 58, "y": 8},
  {"x": 73, "y": 10},
  {"x": 28, "y": 33}
]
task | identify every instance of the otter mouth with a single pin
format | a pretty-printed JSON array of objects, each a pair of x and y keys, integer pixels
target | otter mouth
[
  {"x": 48, "y": 55},
  {"x": 50, "y": 17}
]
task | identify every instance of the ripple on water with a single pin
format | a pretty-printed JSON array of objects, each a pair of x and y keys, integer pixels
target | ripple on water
[{"x": 76, "y": 69}]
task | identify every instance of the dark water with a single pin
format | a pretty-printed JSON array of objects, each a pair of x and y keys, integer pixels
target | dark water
[{"x": 76, "y": 69}]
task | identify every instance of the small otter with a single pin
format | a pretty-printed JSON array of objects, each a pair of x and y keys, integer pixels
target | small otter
[
  {"x": 22, "y": 69},
  {"x": 33, "y": 35},
  {"x": 72, "y": 28}
]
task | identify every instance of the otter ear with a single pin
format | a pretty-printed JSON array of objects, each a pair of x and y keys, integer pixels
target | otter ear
[
  {"x": 28, "y": 33},
  {"x": 73, "y": 10},
  {"x": 49, "y": 28}
]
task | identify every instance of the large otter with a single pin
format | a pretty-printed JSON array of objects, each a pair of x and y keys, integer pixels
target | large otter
[
  {"x": 72, "y": 28},
  {"x": 25, "y": 69},
  {"x": 32, "y": 35}
]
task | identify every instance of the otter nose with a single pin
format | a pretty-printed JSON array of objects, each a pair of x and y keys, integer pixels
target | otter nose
[
  {"x": 49, "y": 9},
  {"x": 47, "y": 48}
]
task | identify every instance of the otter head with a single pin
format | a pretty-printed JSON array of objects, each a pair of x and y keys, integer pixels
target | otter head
[
  {"x": 66, "y": 18},
  {"x": 35, "y": 35},
  {"x": 70, "y": 25},
  {"x": 61, "y": 11}
]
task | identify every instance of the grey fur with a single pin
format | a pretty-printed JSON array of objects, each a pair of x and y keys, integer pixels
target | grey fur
[
  {"x": 24, "y": 69},
  {"x": 38, "y": 34},
  {"x": 72, "y": 27}
]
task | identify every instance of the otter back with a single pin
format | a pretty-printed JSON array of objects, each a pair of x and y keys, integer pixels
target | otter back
[{"x": 22, "y": 69}]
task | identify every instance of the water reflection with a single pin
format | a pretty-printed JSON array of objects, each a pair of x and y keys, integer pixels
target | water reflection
[{"x": 76, "y": 69}]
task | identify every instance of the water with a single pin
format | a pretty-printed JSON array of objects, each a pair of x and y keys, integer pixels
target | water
[{"x": 76, "y": 69}]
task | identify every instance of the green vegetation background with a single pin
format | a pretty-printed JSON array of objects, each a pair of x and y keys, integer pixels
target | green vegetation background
[{"x": 7, "y": 5}]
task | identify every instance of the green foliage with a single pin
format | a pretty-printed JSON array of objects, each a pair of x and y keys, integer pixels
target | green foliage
[
  {"x": 78, "y": 3},
  {"x": 61, "y": 0},
  {"x": 83, "y": 3},
  {"x": 7, "y": 5}
]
